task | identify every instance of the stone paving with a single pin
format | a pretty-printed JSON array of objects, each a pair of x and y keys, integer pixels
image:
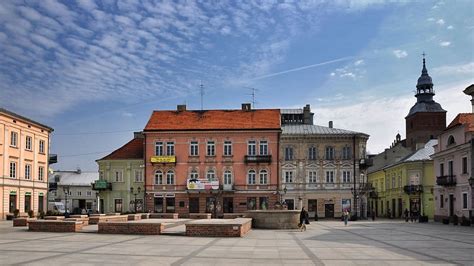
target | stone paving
[{"x": 328, "y": 242}]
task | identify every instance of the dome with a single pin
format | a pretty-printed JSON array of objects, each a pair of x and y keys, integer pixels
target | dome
[{"x": 424, "y": 79}]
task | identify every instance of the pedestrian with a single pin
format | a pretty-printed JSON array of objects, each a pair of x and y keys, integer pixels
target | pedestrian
[
  {"x": 373, "y": 216},
  {"x": 303, "y": 218},
  {"x": 406, "y": 215},
  {"x": 412, "y": 216},
  {"x": 346, "y": 217}
]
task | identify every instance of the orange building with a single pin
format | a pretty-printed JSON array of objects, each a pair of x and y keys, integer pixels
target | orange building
[
  {"x": 24, "y": 152},
  {"x": 214, "y": 161}
]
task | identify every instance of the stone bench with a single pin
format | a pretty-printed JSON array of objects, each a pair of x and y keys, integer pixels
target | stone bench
[
  {"x": 112, "y": 214},
  {"x": 200, "y": 215},
  {"x": 22, "y": 221},
  {"x": 131, "y": 228},
  {"x": 164, "y": 215},
  {"x": 83, "y": 220},
  {"x": 54, "y": 226},
  {"x": 145, "y": 216},
  {"x": 219, "y": 227},
  {"x": 78, "y": 216},
  {"x": 97, "y": 214},
  {"x": 107, "y": 218},
  {"x": 57, "y": 218},
  {"x": 134, "y": 217},
  {"x": 233, "y": 215}
]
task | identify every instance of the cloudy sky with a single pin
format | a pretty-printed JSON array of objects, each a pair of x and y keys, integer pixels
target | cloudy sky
[{"x": 95, "y": 70}]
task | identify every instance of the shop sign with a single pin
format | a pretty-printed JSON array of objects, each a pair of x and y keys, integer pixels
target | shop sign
[
  {"x": 195, "y": 184},
  {"x": 163, "y": 159}
]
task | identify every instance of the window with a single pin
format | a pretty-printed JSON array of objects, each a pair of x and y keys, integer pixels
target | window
[
  {"x": 346, "y": 153},
  {"x": 251, "y": 177},
  {"x": 170, "y": 148},
  {"x": 288, "y": 153},
  {"x": 329, "y": 176},
  {"x": 89, "y": 193},
  {"x": 464, "y": 200},
  {"x": 393, "y": 182},
  {"x": 227, "y": 177},
  {"x": 170, "y": 178},
  {"x": 194, "y": 148},
  {"x": 329, "y": 153},
  {"x": 441, "y": 201},
  {"x": 41, "y": 146},
  {"x": 101, "y": 175},
  {"x": 346, "y": 176},
  {"x": 251, "y": 203},
  {"x": 211, "y": 148},
  {"x": 28, "y": 171},
  {"x": 28, "y": 143},
  {"x": 40, "y": 173},
  {"x": 441, "y": 169},
  {"x": 464, "y": 165},
  {"x": 263, "y": 147},
  {"x": 118, "y": 176},
  {"x": 211, "y": 175},
  {"x": 159, "y": 148},
  {"x": 79, "y": 193},
  {"x": 252, "y": 147},
  {"x": 263, "y": 203},
  {"x": 194, "y": 174},
  {"x": 12, "y": 169},
  {"x": 263, "y": 177},
  {"x": 227, "y": 148},
  {"x": 312, "y": 177},
  {"x": 451, "y": 140},
  {"x": 450, "y": 168},
  {"x": 118, "y": 205},
  {"x": 288, "y": 176},
  {"x": 312, "y": 153},
  {"x": 13, "y": 139},
  {"x": 138, "y": 176},
  {"x": 158, "y": 177}
]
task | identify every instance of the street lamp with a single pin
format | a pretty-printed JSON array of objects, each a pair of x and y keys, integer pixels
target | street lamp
[
  {"x": 66, "y": 193},
  {"x": 139, "y": 189}
]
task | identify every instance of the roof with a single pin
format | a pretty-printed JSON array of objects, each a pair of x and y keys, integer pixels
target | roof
[
  {"x": 423, "y": 153},
  {"x": 426, "y": 107},
  {"x": 315, "y": 129},
  {"x": 132, "y": 150},
  {"x": 76, "y": 178},
  {"x": 463, "y": 119},
  {"x": 10, "y": 113},
  {"x": 214, "y": 120},
  {"x": 291, "y": 111}
]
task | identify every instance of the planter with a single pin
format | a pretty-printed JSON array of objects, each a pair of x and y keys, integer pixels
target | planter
[{"x": 423, "y": 219}]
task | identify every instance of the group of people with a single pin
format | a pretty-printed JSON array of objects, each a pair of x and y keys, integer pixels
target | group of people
[
  {"x": 411, "y": 215},
  {"x": 304, "y": 218}
]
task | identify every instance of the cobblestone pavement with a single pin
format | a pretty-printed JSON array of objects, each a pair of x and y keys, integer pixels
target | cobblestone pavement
[{"x": 328, "y": 242}]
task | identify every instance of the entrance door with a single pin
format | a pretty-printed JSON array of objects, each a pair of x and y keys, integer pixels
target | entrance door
[
  {"x": 376, "y": 208},
  {"x": 27, "y": 203},
  {"x": 12, "y": 203},
  {"x": 312, "y": 207},
  {"x": 40, "y": 203},
  {"x": 329, "y": 210},
  {"x": 400, "y": 208},
  {"x": 228, "y": 205},
  {"x": 290, "y": 203},
  {"x": 193, "y": 205},
  {"x": 101, "y": 206},
  {"x": 170, "y": 205},
  {"x": 82, "y": 204},
  {"x": 451, "y": 205},
  {"x": 394, "y": 209},
  {"x": 158, "y": 202}
]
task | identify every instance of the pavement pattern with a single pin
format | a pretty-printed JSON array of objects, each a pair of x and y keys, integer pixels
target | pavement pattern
[{"x": 324, "y": 243}]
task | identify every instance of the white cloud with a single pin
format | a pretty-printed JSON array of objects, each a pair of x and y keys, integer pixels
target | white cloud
[
  {"x": 400, "y": 53},
  {"x": 449, "y": 70},
  {"x": 444, "y": 44},
  {"x": 430, "y": 19},
  {"x": 440, "y": 21},
  {"x": 332, "y": 74},
  {"x": 450, "y": 27},
  {"x": 359, "y": 62}
]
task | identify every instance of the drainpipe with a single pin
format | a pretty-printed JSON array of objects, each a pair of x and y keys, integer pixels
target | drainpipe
[
  {"x": 354, "y": 176},
  {"x": 279, "y": 197}
]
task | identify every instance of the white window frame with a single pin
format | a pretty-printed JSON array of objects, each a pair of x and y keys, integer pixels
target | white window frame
[
  {"x": 14, "y": 139},
  {"x": 158, "y": 178},
  {"x": 252, "y": 148},
  {"x": 159, "y": 150},
  {"x": 194, "y": 174},
  {"x": 13, "y": 170},
  {"x": 227, "y": 177},
  {"x": 329, "y": 153},
  {"x": 138, "y": 175},
  {"x": 227, "y": 148},
  {"x": 118, "y": 176},
  {"x": 194, "y": 148},
  {"x": 289, "y": 154},
  {"x": 41, "y": 146},
  {"x": 263, "y": 176},
  {"x": 289, "y": 174},
  {"x": 211, "y": 175},
  {"x": 251, "y": 177},
  {"x": 28, "y": 171},
  {"x": 40, "y": 173},
  {"x": 312, "y": 176},
  {"x": 346, "y": 176},
  {"x": 170, "y": 151},
  {"x": 312, "y": 153},
  {"x": 89, "y": 193},
  {"x": 211, "y": 148},
  {"x": 170, "y": 177},
  {"x": 329, "y": 176},
  {"x": 465, "y": 207},
  {"x": 346, "y": 153},
  {"x": 28, "y": 143},
  {"x": 79, "y": 193},
  {"x": 263, "y": 147}
]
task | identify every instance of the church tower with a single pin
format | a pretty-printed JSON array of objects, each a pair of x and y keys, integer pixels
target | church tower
[{"x": 426, "y": 119}]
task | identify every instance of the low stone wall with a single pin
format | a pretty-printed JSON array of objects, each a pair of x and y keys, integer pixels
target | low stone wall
[
  {"x": 22, "y": 221},
  {"x": 83, "y": 220},
  {"x": 219, "y": 228},
  {"x": 145, "y": 215},
  {"x": 112, "y": 214},
  {"x": 274, "y": 219},
  {"x": 134, "y": 217},
  {"x": 54, "y": 226},
  {"x": 233, "y": 215},
  {"x": 107, "y": 218},
  {"x": 164, "y": 216},
  {"x": 133, "y": 228},
  {"x": 200, "y": 215},
  {"x": 58, "y": 218}
]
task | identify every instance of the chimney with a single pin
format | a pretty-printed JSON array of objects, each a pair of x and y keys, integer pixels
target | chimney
[
  {"x": 307, "y": 115},
  {"x": 470, "y": 91},
  {"x": 330, "y": 124},
  {"x": 246, "y": 107},
  {"x": 181, "y": 107},
  {"x": 78, "y": 170}
]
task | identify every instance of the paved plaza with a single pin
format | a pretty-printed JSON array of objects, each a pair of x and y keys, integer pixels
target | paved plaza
[{"x": 328, "y": 242}]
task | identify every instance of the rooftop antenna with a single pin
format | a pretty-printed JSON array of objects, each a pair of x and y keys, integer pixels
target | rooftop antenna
[
  {"x": 253, "y": 94},
  {"x": 201, "y": 87}
]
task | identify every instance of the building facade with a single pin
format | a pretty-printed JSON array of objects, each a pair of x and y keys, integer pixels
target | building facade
[
  {"x": 24, "y": 154},
  {"x": 121, "y": 183},
  {"x": 74, "y": 190},
  {"x": 212, "y": 161}
]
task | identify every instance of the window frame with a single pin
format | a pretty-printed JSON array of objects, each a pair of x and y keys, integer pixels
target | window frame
[
  {"x": 251, "y": 177},
  {"x": 27, "y": 171},
  {"x": 40, "y": 173},
  {"x": 170, "y": 176},
  {"x": 251, "y": 148},
  {"x": 465, "y": 200},
  {"x": 329, "y": 153},
  {"x": 312, "y": 176},
  {"x": 227, "y": 176},
  {"x": 289, "y": 176},
  {"x": 138, "y": 175},
  {"x": 263, "y": 177},
  {"x": 263, "y": 147},
  {"x": 227, "y": 148},
  {"x": 159, "y": 148},
  {"x": 28, "y": 143},
  {"x": 158, "y": 176},
  {"x": 118, "y": 178},
  {"x": 211, "y": 175},
  {"x": 170, "y": 148},
  {"x": 464, "y": 167},
  {"x": 14, "y": 139},
  {"x": 211, "y": 148},
  {"x": 329, "y": 174},
  {"x": 41, "y": 145},
  {"x": 13, "y": 170},
  {"x": 289, "y": 154},
  {"x": 312, "y": 153}
]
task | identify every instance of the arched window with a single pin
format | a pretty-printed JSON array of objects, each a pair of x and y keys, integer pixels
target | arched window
[
  {"x": 211, "y": 175},
  {"x": 451, "y": 140},
  {"x": 170, "y": 177},
  {"x": 194, "y": 174},
  {"x": 227, "y": 177},
  {"x": 158, "y": 177},
  {"x": 263, "y": 177},
  {"x": 251, "y": 177}
]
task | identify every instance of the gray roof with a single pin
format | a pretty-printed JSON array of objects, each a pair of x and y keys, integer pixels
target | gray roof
[
  {"x": 76, "y": 178},
  {"x": 423, "y": 153},
  {"x": 426, "y": 107},
  {"x": 26, "y": 119},
  {"x": 291, "y": 111},
  {"x": 315, "y": 129}
]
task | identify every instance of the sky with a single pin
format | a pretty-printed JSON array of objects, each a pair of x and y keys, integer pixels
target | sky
[{"x": 95, "y": 70}]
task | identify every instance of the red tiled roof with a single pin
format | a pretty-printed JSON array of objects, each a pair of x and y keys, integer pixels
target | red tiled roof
[
  {"x": 132, "y": 150},
  {"x": 463, "y": 119},
  {"x": 214, "y": 120}
]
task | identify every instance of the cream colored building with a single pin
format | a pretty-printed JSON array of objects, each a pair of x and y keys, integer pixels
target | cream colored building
[{"x": 24, "y": 153}]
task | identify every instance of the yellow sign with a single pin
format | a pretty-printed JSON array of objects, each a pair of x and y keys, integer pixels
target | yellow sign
[{"x": 163, "y": 159}]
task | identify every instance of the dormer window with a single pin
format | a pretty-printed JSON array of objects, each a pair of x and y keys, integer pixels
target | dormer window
[{"x": 451, "y": 140}]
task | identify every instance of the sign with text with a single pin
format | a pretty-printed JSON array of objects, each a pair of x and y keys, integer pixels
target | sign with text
[
  {"x": 163, "y": 159},
  {"x": 202, "y": 184}
]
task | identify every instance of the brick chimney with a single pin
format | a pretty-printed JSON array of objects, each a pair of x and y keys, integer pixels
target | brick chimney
[
  {"x": 330, "y": 124},
  {"x": 307, "y": 115}
]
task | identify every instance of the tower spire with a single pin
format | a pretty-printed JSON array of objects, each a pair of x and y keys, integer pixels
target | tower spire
[{"x": 424, "y": 71}]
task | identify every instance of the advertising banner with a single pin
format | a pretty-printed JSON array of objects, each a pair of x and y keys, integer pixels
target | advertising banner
[
  {"x": 346, "y": 205},
  {"x": 196, "y": 184}
]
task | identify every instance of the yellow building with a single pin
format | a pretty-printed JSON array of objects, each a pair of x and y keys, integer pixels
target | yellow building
[
  {"x": 406, "y": 184},
  {"x": 24, "y": 153}
]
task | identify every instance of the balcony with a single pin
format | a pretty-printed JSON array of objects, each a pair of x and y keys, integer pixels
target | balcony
[
  {"x": 365, "y": 163},
  {"x": 170, "y": 159},
  {"x": 446, "y": 180},
  {"x": 258, "y": 158},
  {"x": 413, "y": 189},
  {"x": 101, "y": 185}
]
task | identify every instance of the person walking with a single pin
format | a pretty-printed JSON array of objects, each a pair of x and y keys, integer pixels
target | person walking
[
  {"x": 303, "y": 219},
  {"x": 346, "y": 217},
  {"x": 406, "y": 215}
]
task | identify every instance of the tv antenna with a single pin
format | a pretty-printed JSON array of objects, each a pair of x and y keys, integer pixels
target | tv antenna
[
  {"x": 201, "y": 91},
  {"x": 253, "y": 94}
]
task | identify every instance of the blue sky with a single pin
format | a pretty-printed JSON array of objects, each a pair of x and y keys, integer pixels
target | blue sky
[{"x": 94, "y": 70}]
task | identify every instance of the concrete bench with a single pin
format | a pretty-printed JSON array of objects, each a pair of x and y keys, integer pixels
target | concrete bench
[
  {"x": 107, "y": 218},
  {"x": 83, "y": 220},
  {"x": 54, "y": 226},
  {"x": 112, "y": 214},
  {"x": 57, "y": 218},
  {"x": 200, "y": 215},
  {"x": 233, "y": 215},
  {"x": 132, "y": 228},
  {"x": 219, "y": 227},
  {"x": 97, "y": 214},
  {"x": 134, "y": 217},
  {"x": 78, "y": 216},
  {"x": 164, "y": 215},
  {"x": 145, "y": 215},
  {"x": 22, "y": 221}
]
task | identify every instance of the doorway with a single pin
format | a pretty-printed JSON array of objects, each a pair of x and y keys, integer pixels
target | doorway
[
  {"x": 101, "y": 206},
  {"x": 27, "y": 203},
  {"x": 451, "y": 205},
  {"x": 193, "y": 205},
  {"x": 12, "y": 206},
  {"x": 400, "y": 207},
  {"x": 158, "y": 202},
  {"x": 394, "y": 209},
  {"x": 312, "y": 208},
  {"x": 329, "y": 210},
  {"x": 228, "y": 205},
  {"x": 290, "y": 203}
]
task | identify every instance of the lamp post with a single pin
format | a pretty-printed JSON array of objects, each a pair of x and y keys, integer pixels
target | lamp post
[
  {"x": 66, "y": 193},
  {"x": 139, "y": 189}
]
